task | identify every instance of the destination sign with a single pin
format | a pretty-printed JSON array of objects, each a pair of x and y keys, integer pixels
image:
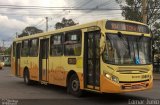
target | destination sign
[{"x": 126, "y": 26}]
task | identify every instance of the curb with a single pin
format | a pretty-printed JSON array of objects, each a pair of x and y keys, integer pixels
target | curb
[{"x": 156, "y": 78}]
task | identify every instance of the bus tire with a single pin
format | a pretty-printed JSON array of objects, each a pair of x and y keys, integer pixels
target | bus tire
[
  {"x": 26, "y": 76},
  {"x": 74, "y": 86}
]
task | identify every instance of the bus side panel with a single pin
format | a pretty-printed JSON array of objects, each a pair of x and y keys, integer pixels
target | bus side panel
[
  {"x": 59, "y": 70},
  {"x": 56, "y": 71},
  {"x": 77, "y": 68},
  {"x": 23, "y": 64},
  {"x": 33, "y": 63},
  {"x": 13, "y": 70}
]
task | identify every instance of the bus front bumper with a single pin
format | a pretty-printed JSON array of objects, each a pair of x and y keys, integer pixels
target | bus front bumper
[{"x": 108, "y": 86}]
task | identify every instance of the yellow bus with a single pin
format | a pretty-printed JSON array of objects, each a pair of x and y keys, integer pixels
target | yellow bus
[{"x": 105, "y": 56}]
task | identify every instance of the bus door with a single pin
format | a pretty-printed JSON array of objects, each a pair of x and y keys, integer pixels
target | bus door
[
  {"x": 43, "y": 59},
  {"x": 17, "y": 61},
  {"x": 92, "y": 60}
]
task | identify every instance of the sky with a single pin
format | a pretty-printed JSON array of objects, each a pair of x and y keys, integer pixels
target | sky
[{"x": 15, "y": 15}]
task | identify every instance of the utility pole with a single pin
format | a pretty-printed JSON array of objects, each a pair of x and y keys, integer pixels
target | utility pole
[
  {"x": 2, "y": 48},
  {"x": 16, "y": 34},
  {"x": 144, "y": 11},
  {"x": 46, "y": 23}
]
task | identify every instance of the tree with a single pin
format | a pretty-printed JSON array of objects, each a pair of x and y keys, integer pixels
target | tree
[
  {"x": 65, "y": 23},
  {"x": 29, "y": 31},
  {"x": 156, "y": 29},
  {"x": 156, "y": 43},
  {"x": 8, "y": 51},
  {"x": 132, "y": 10}
]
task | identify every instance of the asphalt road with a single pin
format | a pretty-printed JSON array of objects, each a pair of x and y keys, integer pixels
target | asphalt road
[{"x": 15, "y": 92}]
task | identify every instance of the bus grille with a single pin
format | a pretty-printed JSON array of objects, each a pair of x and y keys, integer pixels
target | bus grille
[
  {"x": 129, "y": 70},
  {"x": 134, "y": 85}
]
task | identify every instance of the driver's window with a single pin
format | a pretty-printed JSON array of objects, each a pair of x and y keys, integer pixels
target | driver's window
[{"x": 108, "y": 53}]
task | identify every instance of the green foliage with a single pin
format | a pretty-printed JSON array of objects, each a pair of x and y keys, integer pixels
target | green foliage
[
  {"x": 156, "y": 29},
  {"x": 132, "y": 10},
  {"x": 65, "y": 23},
  {"x": 29, "y": 31},
  {"x": 7, "y": 51}
]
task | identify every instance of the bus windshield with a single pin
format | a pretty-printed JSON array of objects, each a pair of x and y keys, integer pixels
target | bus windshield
[{"x": 127, "y": 49}]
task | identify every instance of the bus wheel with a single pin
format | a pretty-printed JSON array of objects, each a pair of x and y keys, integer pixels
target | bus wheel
[
  {"x": 74, "y": 86},
  {"x": 26, "y": 78}
]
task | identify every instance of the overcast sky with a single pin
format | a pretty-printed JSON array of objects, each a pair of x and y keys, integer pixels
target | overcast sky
[{"x": 15, "y": 15}]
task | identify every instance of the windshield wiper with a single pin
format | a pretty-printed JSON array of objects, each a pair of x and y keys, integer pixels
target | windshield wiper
[
  {"x": 119, "y": 34},
  {"x": 142, "y": 36},
  {"x": 124, "y": 39}
]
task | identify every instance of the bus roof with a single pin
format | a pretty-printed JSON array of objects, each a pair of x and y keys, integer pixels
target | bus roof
[
  {"x": 129, "y": 21},
  {"x": 81, "y": 26},
  {"x": 59, "y": 30}
]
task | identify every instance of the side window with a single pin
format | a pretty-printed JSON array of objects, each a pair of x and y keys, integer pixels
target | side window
[
  {"x": 72, "y": 43},
  {"x": 56, "y": 46},
  {"x": 25, "y": 48},
  {"x": 34, "y": 47},
  {"x": 107, "y": 51}
]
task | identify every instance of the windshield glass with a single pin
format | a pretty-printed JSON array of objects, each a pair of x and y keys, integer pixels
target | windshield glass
[{"x": 125, "y": 49}]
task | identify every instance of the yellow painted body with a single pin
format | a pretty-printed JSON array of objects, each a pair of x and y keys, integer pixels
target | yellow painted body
[{"x": 58, "y": 67}]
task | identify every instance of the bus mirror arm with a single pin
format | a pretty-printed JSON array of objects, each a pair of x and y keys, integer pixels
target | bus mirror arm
[{"x": 102, "y": 43}]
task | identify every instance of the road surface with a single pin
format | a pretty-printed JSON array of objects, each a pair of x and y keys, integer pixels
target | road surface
[{"x": 15, "y": 92}]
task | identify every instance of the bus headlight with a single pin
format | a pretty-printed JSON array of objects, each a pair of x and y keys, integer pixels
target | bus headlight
[
  {"x": 111, "y": 77},
  {"x": 108, "y": 76},
  {"x": 115, "y": 79}
]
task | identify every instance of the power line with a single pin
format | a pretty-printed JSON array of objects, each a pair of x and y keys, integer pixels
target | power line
[
  {"x": 53, "y": 8},
  {"x": 81, "y": 5},
  {"x": 82, "y": 9},
  {"x": 61, "y": 8},
  {"x": 84, "y": 4},
  {"x": 38, "y": 23},
  {"x": 93, "y": 9},
  {"x": 43, "y": 14},
  {"x": 29, "y": 7}
]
